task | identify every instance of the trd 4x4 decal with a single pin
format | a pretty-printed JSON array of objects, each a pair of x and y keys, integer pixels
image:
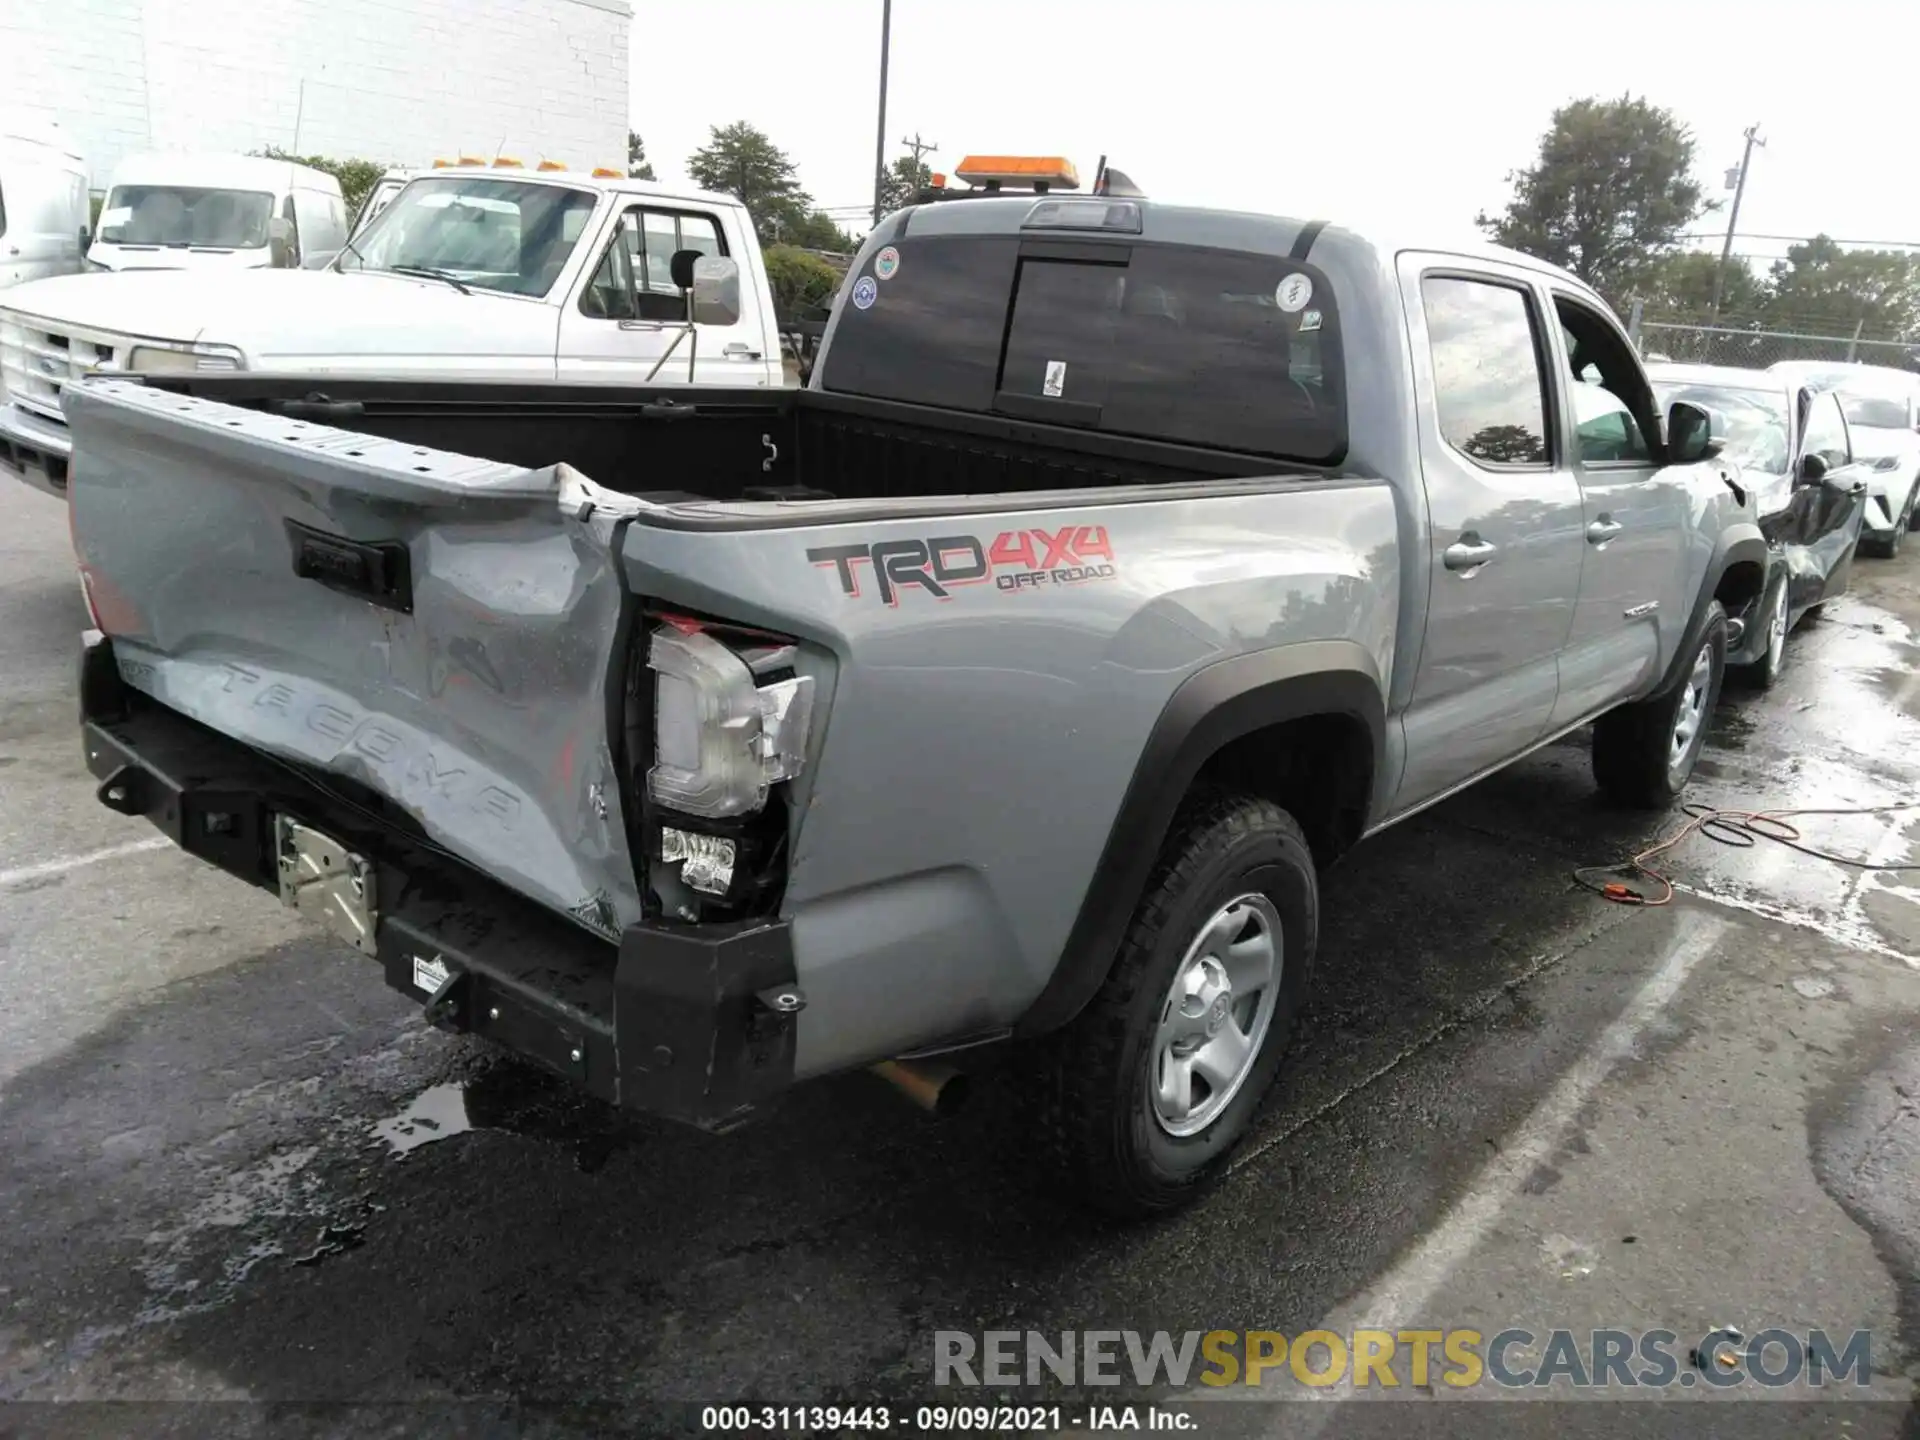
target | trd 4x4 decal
[{"x": 1012, "y": 560}]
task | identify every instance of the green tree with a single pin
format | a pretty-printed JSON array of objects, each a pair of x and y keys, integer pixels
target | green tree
[
  {"x": 800, "y": 281},
  {"x": 816, "y": 231},
  {"x": 1822, "y": 289},
  {"x": 1679, "y": 287},
  {"x": 1610, "y": 194},
  {"x": 905, "y": 178},
  {"x": 356, "y": 177},
  {"x": 638, "y": 167},
  {"x": 740, "y": 160}
]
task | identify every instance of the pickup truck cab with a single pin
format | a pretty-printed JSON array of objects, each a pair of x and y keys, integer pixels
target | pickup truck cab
[
  {"x": 482, "y": 272},
  {"x": 215, "y": 214},
  {"x": 43, "y": 203},
  {"x": 1008, "y": 689}
]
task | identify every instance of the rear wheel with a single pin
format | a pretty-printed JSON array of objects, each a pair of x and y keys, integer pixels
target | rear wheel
[
  {"x": 1150, "y": 1088},
  {"x": 1644, "y": 754}
]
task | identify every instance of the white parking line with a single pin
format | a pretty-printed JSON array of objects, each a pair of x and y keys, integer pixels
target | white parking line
[
  {"x": 75, "y": 862},
  {"x": 1402, "y": 1296}
]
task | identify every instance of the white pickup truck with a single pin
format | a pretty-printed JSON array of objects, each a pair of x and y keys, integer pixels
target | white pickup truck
[{"x": 469, "y": 273}]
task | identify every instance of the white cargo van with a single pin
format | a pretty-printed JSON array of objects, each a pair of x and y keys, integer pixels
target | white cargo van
[
  {"x": 485, "y": 272},
  {"x": 216, "y": 212},
  {"x": 43, "y": 204}
]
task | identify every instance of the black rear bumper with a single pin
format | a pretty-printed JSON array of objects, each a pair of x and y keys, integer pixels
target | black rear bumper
[{"x": 692, "y": 1023}]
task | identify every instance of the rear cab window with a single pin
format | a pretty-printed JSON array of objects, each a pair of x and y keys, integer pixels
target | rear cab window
[{"x": 1223, "y": 349}]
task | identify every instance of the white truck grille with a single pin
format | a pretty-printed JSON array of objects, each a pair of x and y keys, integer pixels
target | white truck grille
[{"x": 39, "y": 358}]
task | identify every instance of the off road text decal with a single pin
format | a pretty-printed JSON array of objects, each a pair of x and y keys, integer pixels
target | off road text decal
[{"x": 1014, "y": 560}]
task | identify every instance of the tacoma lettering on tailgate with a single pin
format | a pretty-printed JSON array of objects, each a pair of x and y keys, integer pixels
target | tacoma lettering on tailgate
[
  {"x": 365, "y": 736},
  {"x": 1013, "y": 560}
]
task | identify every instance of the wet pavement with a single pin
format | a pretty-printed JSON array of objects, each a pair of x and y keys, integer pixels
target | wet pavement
[{"x": 234, "y": 1167}]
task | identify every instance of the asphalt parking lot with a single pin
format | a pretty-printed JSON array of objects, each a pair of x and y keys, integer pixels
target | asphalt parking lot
[{"x": 1513, "y": 1105}]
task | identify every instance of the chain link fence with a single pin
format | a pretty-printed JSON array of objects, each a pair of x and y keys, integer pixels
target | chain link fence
[{"x": 1751, "y": 347}]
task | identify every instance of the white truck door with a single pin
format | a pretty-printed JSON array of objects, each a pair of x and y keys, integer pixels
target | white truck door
[{"x": 628, "y": 313}]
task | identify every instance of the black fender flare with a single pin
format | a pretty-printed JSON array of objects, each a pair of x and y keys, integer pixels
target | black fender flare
[
  {"x": 1736, "y": 545},
  {"x": 1211, "y": 708}
]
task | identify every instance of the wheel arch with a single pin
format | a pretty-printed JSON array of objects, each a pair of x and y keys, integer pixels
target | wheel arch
[
  {"x": 1232, "y": 721},
  {"x": 1741, "y": 567}
]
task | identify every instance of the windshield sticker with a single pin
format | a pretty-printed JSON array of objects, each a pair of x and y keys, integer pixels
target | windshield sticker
[
  {"x": 886, "y": 262},
  {"x": 1056, "y": 382},
  {"x": 865, "y": 292},
  {"x": 119, "y": 215},
  {"x": 1015, "y": 560},
  {"x": 1293, "y": 293},
  {"x": 1309, "y": 321}
]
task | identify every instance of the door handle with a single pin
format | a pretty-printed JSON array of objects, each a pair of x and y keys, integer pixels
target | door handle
[
  {"x": 1603, "y": 530},
  {"x": 735, "y": 350},
  {"x": 1467, "y": 553}
]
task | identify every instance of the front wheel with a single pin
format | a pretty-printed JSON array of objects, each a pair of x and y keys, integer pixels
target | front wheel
[
  {"x": 1763, "y": 673},
  {"x": 1152, "y": 1085},
  {"x": 1644, "y": 754}
]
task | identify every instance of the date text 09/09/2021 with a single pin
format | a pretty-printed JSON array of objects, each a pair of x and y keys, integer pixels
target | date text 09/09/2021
[{"x": 943, "y": 1419}]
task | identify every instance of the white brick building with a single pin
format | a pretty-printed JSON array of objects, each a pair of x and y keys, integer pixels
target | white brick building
[{"x": 397, "y": 81}]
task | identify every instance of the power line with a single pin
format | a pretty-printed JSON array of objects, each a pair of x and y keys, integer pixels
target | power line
[{"x": 1803, "y": 240}]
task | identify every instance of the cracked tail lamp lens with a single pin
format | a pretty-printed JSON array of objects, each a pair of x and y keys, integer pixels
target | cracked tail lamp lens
[{"x": 720, "y": 740}]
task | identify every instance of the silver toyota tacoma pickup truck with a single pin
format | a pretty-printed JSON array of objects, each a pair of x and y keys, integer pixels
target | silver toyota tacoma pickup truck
[{"x": 1122, "y": 566}]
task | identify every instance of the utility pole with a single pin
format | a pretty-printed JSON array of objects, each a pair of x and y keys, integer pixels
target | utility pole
[
  {"x": 920, "y": 147},
  {"x": 880, "y": 130},
  {"x": 1733, "y": 219}
]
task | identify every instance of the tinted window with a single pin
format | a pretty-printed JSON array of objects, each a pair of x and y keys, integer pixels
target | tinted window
[
  {"x": 1228, "y": 349},
  {"x": 933, "y": 331},
  {"x": 1487, "y": 379},
  {"x": 1161, "y": 342},
  {"x": 1826, "y": 432},
  {"x": 1060, "y": 345}
]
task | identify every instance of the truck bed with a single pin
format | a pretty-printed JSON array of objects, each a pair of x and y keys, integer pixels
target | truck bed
[{"x": 726, "y": 445}]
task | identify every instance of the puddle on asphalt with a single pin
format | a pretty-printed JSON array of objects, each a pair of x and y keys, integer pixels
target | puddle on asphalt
[
  {"x": 436, "y": 1113},
  {"x": 514, "y": 1099}
]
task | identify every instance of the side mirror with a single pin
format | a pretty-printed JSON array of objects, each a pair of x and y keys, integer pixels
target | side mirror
[
  {"x": 715, "y": 289},
  {"x": 1693, "y": 433},
  {"x": 1812, "y": 470}
]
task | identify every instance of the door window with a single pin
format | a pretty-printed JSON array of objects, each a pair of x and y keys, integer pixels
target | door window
[
  {"x": 1612, "y": 405},
  {"x": 1488, "y": 383},
  {"x": 634, "y": 280},
  {"x": 1827, "y": 432}
]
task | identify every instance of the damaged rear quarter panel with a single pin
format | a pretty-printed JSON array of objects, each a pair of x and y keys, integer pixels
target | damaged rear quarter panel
[{"x": 981, "y": 731}]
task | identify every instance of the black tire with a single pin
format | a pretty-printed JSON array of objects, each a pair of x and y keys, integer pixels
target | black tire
[
  {"x": 1883, "y": 547},
  {"x": 1633, "y": 756},
  {"x": 1913, "y": 510},
  {"x": 1098, "y": 1115},
  {"x": 1764, "y": 673}
]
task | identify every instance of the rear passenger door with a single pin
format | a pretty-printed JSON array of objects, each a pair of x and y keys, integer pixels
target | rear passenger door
[
  {"x": 1635, "y": 517},
  {"x": 1504, "y": 521}
]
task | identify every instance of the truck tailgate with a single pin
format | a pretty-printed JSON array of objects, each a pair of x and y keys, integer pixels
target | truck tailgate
[{"x": 427, "y": 631}]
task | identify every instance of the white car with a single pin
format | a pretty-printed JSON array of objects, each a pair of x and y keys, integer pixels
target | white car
[
  {"x": 1882, "y": 407},
  {"x": 469, "y": 273}
]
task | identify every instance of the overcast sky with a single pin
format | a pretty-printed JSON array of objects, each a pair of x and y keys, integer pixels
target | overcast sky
[{"x": 1397, "y": 112}]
